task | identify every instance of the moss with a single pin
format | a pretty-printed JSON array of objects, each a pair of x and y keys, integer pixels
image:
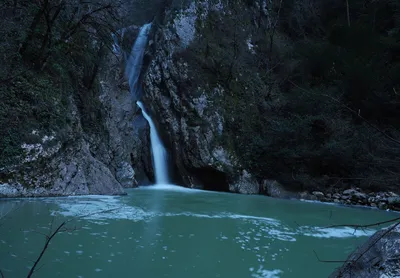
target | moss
[{"x": 31, "y": 102}]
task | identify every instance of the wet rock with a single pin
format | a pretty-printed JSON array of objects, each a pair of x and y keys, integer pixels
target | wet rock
[
  {"x": 345, "y": 197},
  {"x": 378, "y": 257},
  {"x": 359, "y": 196},
  {"x": 274, "y": 189},
  {"x": 126, "y": 175},
  {"x": 245, "y": 185},
  {"x": 392, "y": 194},
  {"x": 382, "y": 205},
  {"x": 394, "y": 202},
  {"x": 336, "y": 196},
  {"x": 350, "y": 192},
  {"x": 329, "y": 195},
  {"x": 319, "y": 195}
]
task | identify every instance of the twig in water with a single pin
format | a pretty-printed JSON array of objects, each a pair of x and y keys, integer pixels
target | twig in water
[{"x": 326, "y": 261}]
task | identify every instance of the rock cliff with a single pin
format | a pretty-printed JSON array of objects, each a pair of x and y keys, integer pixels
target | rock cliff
[
  {"x": 99, "y": 143},
  {"x": 248, "y": 96},
  {"x": 79, "y": 161},
  {"x": 189, "y": 106},
  {"x": 248, "y": 92},
  {"x": 378, "y": 257}
]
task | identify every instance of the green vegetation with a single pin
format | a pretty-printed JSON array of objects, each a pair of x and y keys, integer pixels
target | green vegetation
[
  {"x": 51, "y": 55},
  {"x": 317, "y": 104}
]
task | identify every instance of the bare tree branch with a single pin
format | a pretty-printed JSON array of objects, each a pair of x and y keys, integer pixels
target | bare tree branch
[
  {"x": 364, "y": 226},
  {"x": 346, "y": 269},
  {"x": 353, "y": 111},
  {"x": 46, "y": 245}
]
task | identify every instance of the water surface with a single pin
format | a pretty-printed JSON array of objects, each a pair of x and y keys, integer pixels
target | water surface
[{"x": 159, "y": 232}]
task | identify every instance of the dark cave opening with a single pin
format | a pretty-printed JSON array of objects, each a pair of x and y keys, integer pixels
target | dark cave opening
[{"x": 211, "y": 179}]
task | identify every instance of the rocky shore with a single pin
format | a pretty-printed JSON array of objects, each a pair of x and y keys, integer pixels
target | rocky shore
[
  {"x": 352, "y": 197},
  {"x": 355, "y": 196}
]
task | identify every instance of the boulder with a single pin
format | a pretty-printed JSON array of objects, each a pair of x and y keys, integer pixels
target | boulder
[
  {"x": 336, "y": 196},
  {"x": 382, "y": 205},
  {"x": 394, "y": 202},
  {"x": 359, "y": 196},
  {"x": 378, "y": 257},
  {"x": 345, "y": 197},
  {"x": 246, "y": 184},
  {"x": 125, "y": 175},
  {"x": 350, "y": 192},
  {"x": 329, "y": 195},
  {"x": 274, "y": 189},
  {"x": 319, "y": 195},
  {"x": 392, "y": 194}
]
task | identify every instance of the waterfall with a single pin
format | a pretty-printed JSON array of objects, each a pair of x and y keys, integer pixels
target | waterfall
[
  {"x": 132, "y": 72},
  {"x": 158, "y": 150},
  {"x": 135, "y": 61}
]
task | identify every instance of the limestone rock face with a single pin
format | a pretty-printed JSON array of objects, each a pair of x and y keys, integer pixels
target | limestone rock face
[
  {"x": 85, "y": 159},
  {"x": 378, "y": 257},
  {"x": 72, "y": 172},
  {"x": 246, "y": 184},
  {"x": 191, "y": 118}
]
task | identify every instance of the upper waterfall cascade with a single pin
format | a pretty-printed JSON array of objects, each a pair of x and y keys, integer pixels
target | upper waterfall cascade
[{"x": 135, "y": 60}]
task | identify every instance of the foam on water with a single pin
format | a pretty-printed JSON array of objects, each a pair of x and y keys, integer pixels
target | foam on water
[
  {"x": 343, "y": 232},
  {"x": 263, "y": 273},
  {"x": 98, "y": 209},
  {"x": 170, "y": 187}
]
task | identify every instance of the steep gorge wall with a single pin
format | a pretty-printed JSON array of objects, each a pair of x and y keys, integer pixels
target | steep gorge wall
[
  {"x": 246, "y": 92},
  {"x": 243, "y": 92},
  {"x": 98, "y": 144},
  {"x": 189, "y": 106}
]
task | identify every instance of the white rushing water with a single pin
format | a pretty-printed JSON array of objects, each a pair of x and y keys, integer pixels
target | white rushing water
[
  {"x": 132, "y": 71},
  {"x": 158, "y": 150},
  {"x": 135, "y": 61}
]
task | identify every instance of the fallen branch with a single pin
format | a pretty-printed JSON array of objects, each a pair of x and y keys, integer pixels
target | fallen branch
[
  {"x": 364, "y": 226},
  {"x": 369, "y": 247}
]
